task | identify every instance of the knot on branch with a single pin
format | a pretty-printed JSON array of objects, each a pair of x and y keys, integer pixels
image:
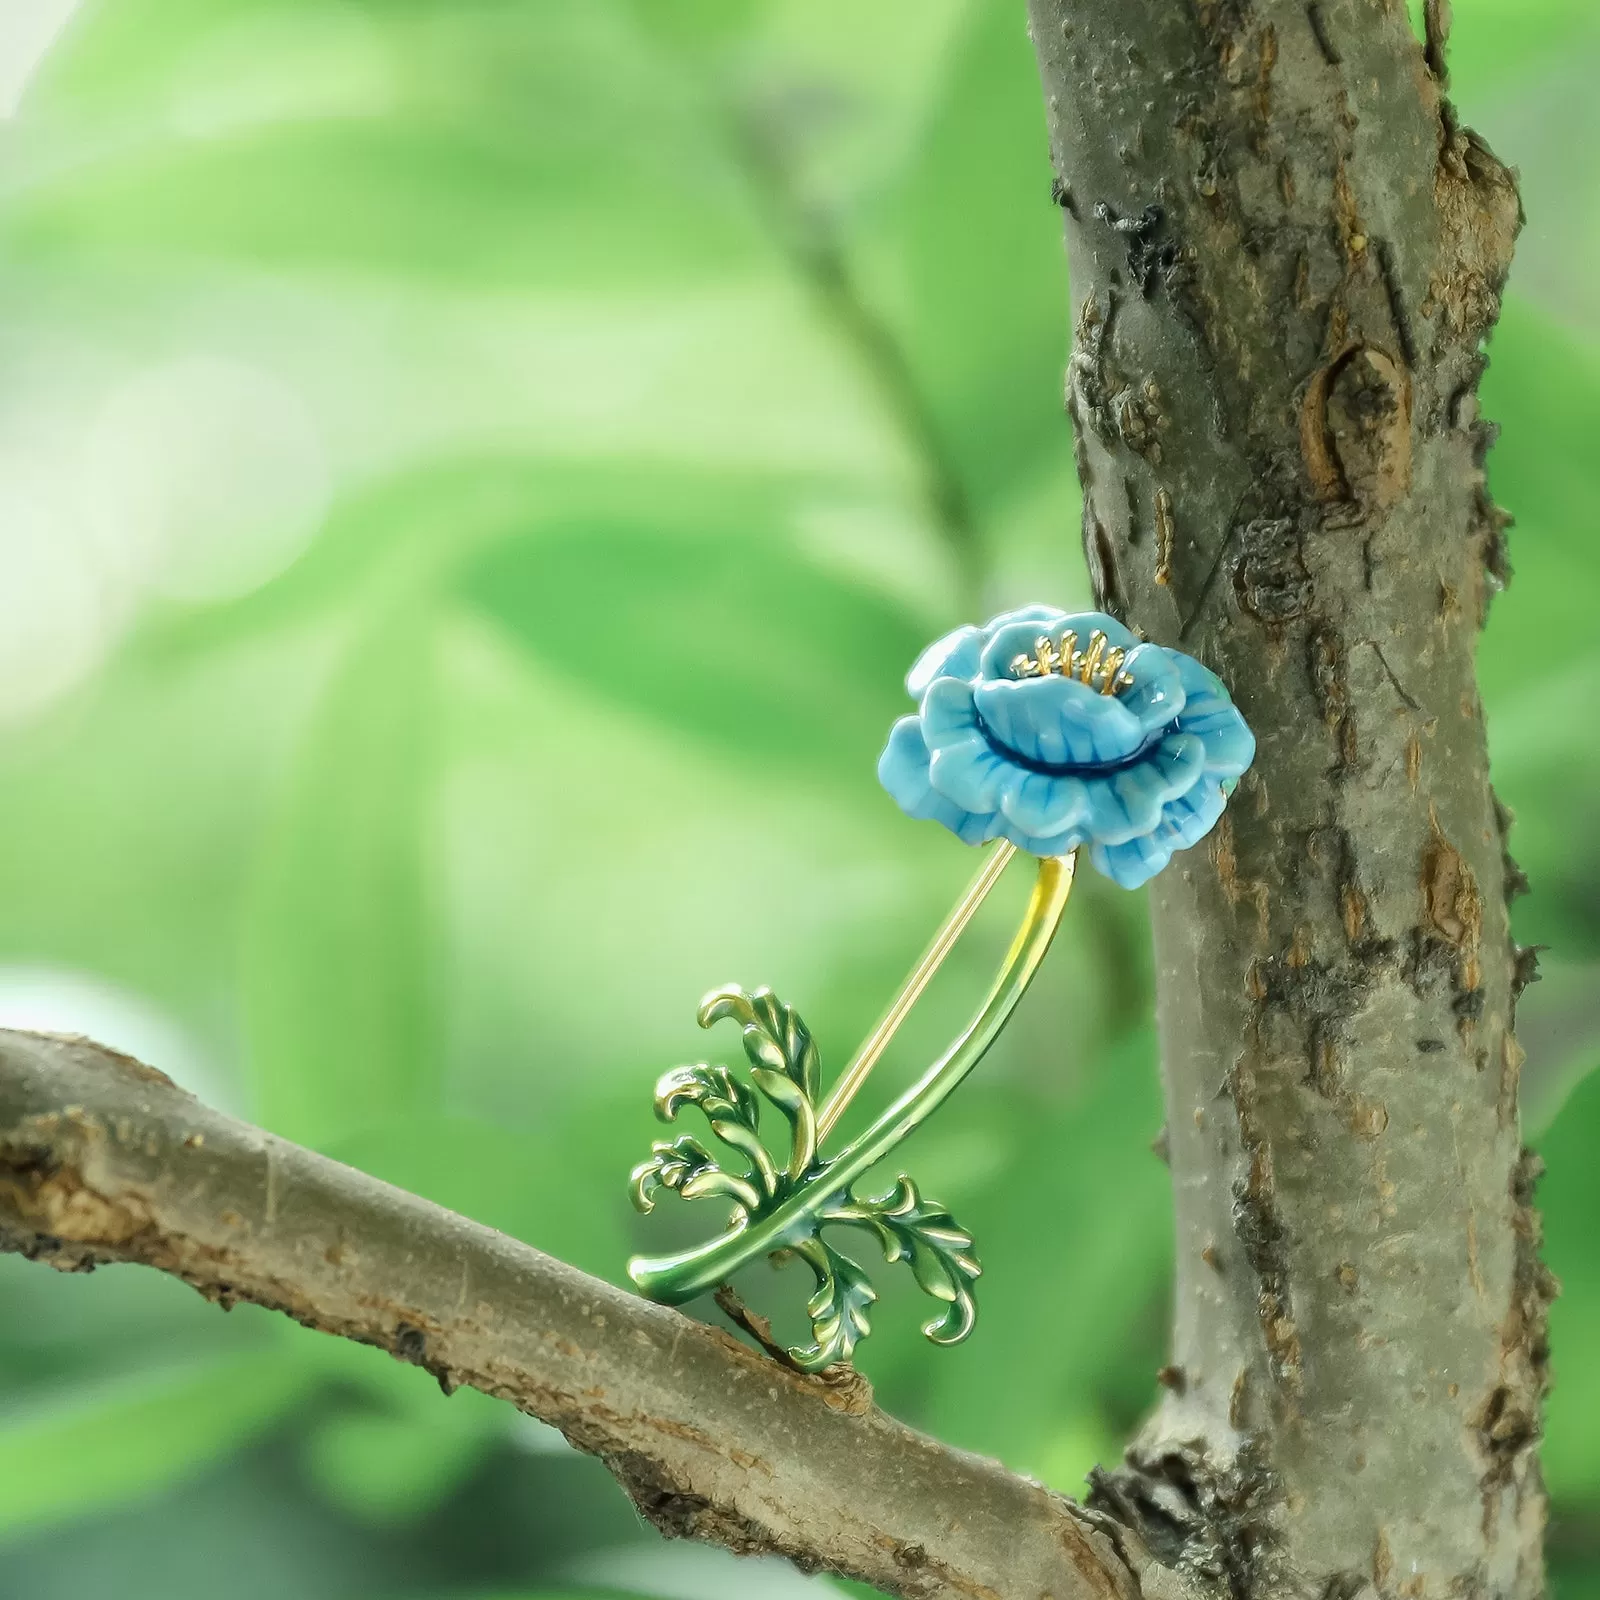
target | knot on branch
[{"x": 1355, "y": 429}]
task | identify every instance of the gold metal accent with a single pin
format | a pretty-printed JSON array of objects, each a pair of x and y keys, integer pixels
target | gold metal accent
[
  {"x": 791, "y": 1211},
  {"x": 876, "y": 1042},
  {"x": 1100, "y": 666}
]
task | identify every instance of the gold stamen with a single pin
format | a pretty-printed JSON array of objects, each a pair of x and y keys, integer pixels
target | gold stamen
[
  {"x": 1091, "y": 661},
  {"x": 1111, "y": 670},
  {"x": 1100, "y": 666}
]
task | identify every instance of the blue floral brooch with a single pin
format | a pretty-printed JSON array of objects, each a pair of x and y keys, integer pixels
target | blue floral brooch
[
  {"x": 1055, "y": 730},
  {"x": 1044, "y": 733}
]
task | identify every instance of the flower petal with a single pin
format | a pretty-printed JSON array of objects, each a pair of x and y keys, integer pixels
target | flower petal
[
  {"x": 1058, "y": 721},
  {"x": 1044, "y": 806},
  {"x": 1184, "y": 822},
  {"x": 972, "y": 775},
  {"x": 903, "y": 771},
  {"x": 948, "y": 714},
  {"x": 1012, "y": 638},
  {"x": 1192, "y": 816},
  {"x": 1156, "y": 694},
  {"x": 1017, "y": 634},
  {"x": 1083, "y": 623},
  {"x": 1134, "y": 862},
  {"x": 954, "y": 656},
  {"x": 1230, "y": 745},
  {"x": 1040, "y": 618},
  {"x": 991, "y": 755},
  {"x": 1129, "y": 801},
  {"x": 1209, "y": 713},
  {"x": 1059, "y": 844}
]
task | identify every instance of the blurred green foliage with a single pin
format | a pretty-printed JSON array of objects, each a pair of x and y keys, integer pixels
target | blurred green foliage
[{"x": 474, "y": 474}]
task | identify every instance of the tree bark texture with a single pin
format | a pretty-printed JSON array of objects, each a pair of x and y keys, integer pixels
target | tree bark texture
[
  {"x": 104, "y": 1160},
  {"x": 1285, "y": 254}
]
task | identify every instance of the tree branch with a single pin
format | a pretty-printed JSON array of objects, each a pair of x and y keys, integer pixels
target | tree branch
[{"x": 103, "y": 1159}]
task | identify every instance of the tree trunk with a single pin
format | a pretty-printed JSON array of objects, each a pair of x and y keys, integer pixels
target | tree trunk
[{"x": 1285, "y": 254}]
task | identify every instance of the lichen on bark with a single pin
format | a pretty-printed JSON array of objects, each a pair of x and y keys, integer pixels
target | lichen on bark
[{"x": 1286, "y": 255}]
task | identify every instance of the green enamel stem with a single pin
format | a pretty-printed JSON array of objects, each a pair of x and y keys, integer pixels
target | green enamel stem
[{"x": 676, "y": 1278}]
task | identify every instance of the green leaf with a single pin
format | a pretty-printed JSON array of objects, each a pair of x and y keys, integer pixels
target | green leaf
[
  {"x": 524, "y": 1594},
  {"x": 701, "y": 29},
  {"x": 1543, "y": 383},
  {"x": 971, "y": 266},
  {"x": 431, "y": 206},
  {"x": 403, "y": 1447},
  {"x": 843, "y": 90},
  {"x": 386, "y": 141},
  {"x": 389, "y": 1470},
  {"x": 733, "y": 1113},
  {"x": 339, "y": 970},
  {"x": 107, "y": 1444},
  {"x": 1496, "y": 46},
  {"x": 838, "y": 1309},
  {"x": 939, "y": 1249},
  {"x": 775, "y": 1036},
  {"x": 784, "y": 1062},
  {"x": 1558, "y": 1024},
  {"x": 676, "y": 1164},
  {"x": 724, "y": 632},
  {"x": 525, "y": 1179},
  {"x": 1075, "y": 1289},
  {"x": 1569, "y": 1197},
  {"x": 714, "y": 1089},
  {"x": 1543, "y": 386},
  {"x": 1548, "y": 777},
  {"x": 144, "y": 798}
]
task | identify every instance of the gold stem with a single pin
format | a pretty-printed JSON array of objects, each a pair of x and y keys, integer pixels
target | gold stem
[{"x": 876, "y": 1042}]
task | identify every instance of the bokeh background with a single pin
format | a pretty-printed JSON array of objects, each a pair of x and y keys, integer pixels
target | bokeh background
[{"x": 471, "y": 478}]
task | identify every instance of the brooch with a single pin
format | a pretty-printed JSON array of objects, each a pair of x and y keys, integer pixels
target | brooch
[{"x": 1041, "y": 733}]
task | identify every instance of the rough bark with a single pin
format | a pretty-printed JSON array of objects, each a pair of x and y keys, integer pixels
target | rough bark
[
  {"x": 104, "y": 1160},
  {"x": 1285, "y": 254}
]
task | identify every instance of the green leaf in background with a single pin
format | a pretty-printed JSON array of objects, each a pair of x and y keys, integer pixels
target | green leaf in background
[
  {"x": 338, "y": 978},
  {"x": 1558, "y": 1024},
  {"x": 1076, "y": 1241},
  {"x": 391, "y": 1469},
  {"x": 1569, "y": 1197},
  {"x": 700, "y": 28},
  {"x": 623, "y": 511},
  {"x": 972, "y": 263},
  {"x": 1543, "y": 387},
  {"x": 145, "y": 800},
  {"x": 727, "y": 635},
  {"x": 1495, "y": 44},
  {"x": 547, "y": 1184},
  {"x": 1543, "y": 384},
  {"x": 1548, "y": 783},
  {"x": 398, "y": 1447},
  {"x": 281, "y": 196},
  {"x": 306, "y": 137},
  {"x": 133, "y": 1436},
  {"x": 843, "y": 90},
  {"x": 530, "y": 1594}
]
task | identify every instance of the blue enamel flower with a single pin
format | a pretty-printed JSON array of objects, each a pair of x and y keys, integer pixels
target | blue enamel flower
[{"x": 1055, "y": 731}]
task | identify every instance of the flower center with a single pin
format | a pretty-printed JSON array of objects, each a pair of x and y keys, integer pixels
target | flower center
[
  {"x": 1074, "y": 769},
  {"x": 1100, "y": 666}
]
